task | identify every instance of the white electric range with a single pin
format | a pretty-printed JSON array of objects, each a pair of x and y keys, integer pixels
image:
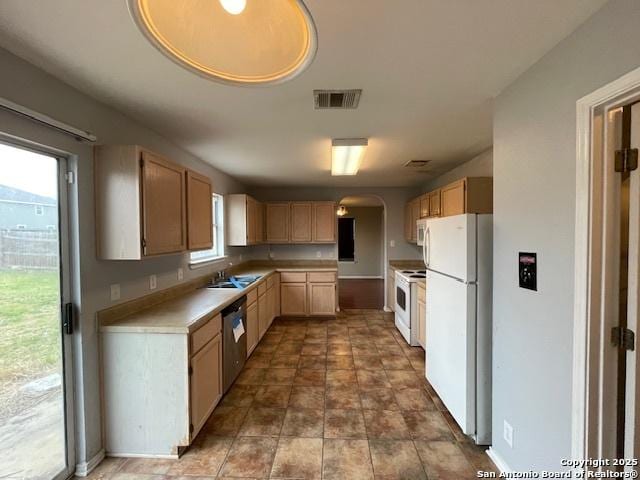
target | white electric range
[{"x": 407, "y": 303}]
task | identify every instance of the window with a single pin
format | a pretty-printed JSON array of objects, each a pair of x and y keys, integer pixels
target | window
[
  {"x": 39, "y": 210},
  {"x": 346, "y": 239},
  {"x": 218, "y": 233}
]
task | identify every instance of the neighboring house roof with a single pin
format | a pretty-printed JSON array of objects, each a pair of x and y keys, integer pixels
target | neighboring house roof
[{"x": 16, "y": 195}]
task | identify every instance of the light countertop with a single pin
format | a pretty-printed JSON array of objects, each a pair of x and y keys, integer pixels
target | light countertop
[{"x": 189, "y": 311}]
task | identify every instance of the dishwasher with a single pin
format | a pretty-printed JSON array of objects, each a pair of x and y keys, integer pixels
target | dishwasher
[{"x": 234, "y": 344}]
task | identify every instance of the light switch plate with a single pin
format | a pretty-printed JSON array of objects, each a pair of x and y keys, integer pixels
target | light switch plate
[
  {"x": 319, "y": 254},
  {"x": 153, "y": 282},
  {"x": 180, "y": 274},
  {"x": 508, "y": 433},
  {"x": 115, "y": 292},
  {"x": 392, "y": 243}
]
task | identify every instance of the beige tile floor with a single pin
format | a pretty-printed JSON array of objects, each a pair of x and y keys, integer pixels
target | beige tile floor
[{"x": 341, "y": 398}]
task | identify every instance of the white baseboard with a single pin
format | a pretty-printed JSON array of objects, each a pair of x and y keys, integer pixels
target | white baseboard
[
  {"x": 361, "y": 277},
  {"x": 143, "y": 455},
  {"x": 498, "y": 461},
  {"x": 387, "y": 309},
  {"x": 85, "y": 468}
]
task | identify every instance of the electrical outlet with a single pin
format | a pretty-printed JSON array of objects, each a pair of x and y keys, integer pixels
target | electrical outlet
[
  {"x": 392, "y": 243},
  {"x": 240, "y": 257},
  {"x": 319, "y": 254},
  {"x": 115, "y": 292},
  {"x": 508, "y": 433},
  {"x": 272, "y": 255},
  {"x": 153, "y": 282},
  {"x": 180, "y": 274}
]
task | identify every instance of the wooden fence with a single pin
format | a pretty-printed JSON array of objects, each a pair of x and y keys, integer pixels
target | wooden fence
[{"x": 29, "y": 249}]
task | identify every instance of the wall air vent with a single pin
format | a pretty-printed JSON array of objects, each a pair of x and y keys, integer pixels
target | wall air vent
[
  {"x": 336, "y": 99},
  {"x": 417, "y": 163}
]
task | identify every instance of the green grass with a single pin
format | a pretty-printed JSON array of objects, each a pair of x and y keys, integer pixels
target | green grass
[{"x": 29, "y": 324}]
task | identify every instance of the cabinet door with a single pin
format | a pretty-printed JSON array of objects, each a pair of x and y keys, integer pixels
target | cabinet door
[
  {"x": 163, "y": 206},
  {"x": 422, "y": 323},
  {"x": 276, "y": 295},
  {"x": 259, "y": 222},
  {"x": 301, "y": 231},
  {"x": 251, "y": 221},
  {"x": 293, "y": 299},
  {"x": 277, "y": 222},
  {"x": 434, "y": 203},
  {"x": 199, "y": 212},
  {"x": 415, "y": 216},
  {"x": 322, "y": 299},
  {"x": 206, "y": 382},
  {"x": 391, "y": 292},
  {"x": 324, "y": 222},
  {"x": 407, "y": 222},
  {"x": 270, "y": 306},
  {"x": 253, "y": 327},
  {"x": 424, "y": 206},
  {"x": 263, "y": 314},
  {"x": 452, "y": 199}
]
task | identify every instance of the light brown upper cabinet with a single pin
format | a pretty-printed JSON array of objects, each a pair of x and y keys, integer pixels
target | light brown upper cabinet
[
  {"x": 244, "y": 220},
  {"x": 415, "y": 216},
  {"x": 434, "y": 203},
  {"x": 424, "y": 206},
  {"x": 141, "y": 203},
  {"x": 300, "y": 222},
  {"x": 468, "y": 195},
  {"x": 199, "y": 212},
  {"x": 324, "y": 222},
  {"x": 277, "y": 222},
  {"x": 301, "y": 228},
  {"x": 407, "y": 222}
]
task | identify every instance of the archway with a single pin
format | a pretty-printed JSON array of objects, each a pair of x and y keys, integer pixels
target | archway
[{"x": 362, "y": 256}]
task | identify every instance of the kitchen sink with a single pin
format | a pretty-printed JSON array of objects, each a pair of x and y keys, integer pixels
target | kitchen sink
[{"x": 241, "y": 281}]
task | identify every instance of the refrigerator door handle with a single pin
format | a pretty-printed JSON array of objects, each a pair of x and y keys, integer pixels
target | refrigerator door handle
[{"x": 426, "y": 247}]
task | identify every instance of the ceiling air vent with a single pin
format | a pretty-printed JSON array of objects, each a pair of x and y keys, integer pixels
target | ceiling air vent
[
  {"x": 332, "y": 99},
  {"x": 417, "y": 163}
]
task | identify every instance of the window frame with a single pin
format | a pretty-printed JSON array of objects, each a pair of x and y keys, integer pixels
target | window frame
[{"x": 218, "y": 252}]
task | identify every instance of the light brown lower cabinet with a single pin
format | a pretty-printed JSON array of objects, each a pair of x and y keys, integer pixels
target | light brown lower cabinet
[
  {"x": 293, "y": 299},
  {"x": 263, "y": 314},
  {"x": 271, "y": 299},
  {"x": 391, "y": 290},
  {"x": 322, "y": 299},
  {"x": 205, "y": 382},
  {"x": 422, "y": 318},
  {"x": 253, "y": 328}
]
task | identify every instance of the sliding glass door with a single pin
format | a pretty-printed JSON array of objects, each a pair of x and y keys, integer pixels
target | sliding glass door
[{"x": 36, "y": 428}]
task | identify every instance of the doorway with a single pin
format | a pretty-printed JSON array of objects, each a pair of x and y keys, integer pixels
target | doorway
[
  {"x": 36, "y": 420},
  {"x": 605, "y": 421},
  {"x": 361, "y": 253}
]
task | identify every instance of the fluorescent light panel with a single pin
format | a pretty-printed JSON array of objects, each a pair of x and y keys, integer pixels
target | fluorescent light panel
[{"x": 346, "y": 155}]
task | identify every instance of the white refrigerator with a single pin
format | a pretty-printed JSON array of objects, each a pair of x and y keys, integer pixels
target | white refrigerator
[{"x": 458, "y": 255}]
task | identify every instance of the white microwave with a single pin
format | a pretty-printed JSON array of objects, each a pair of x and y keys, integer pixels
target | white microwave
[{"x": 422, "y": 228}]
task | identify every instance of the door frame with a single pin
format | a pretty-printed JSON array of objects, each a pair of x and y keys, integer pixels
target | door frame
[
  {"x": 66, "y": 288},
  {"x": 590, "y": 427}
]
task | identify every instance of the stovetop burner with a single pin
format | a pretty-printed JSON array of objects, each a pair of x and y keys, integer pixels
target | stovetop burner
[{"x": 418, "y": 275}]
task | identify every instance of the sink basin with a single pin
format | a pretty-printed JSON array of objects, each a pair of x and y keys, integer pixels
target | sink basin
[{"x": 242, "y": 281}]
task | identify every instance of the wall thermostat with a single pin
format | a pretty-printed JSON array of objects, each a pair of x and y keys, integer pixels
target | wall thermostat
[{"x": 528, "y": 270}]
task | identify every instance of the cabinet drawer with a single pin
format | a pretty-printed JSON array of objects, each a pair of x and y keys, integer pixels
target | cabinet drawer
[
  {"x": 322, "y": 277},
  {"x": 262, "y": 288},
  {"x": 270, "y": 282},
  {"x": 252, "y": 296},
  {"x": 205, "y": 333},
  {"x": 293, "y": 277}
]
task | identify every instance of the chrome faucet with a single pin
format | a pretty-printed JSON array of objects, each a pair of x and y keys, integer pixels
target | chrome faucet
[{"x": 221, "y": 275}]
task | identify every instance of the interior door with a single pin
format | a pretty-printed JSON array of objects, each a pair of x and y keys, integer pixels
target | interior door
[
  {"x": 451, "y": 346},
  {"x": 450, "y": 246},
  {"x": 36, "y": 393},
  {"x": 631, "y": 201}
]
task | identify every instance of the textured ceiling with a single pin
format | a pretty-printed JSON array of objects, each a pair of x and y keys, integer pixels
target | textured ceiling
[{"x": 428, "y": 69}]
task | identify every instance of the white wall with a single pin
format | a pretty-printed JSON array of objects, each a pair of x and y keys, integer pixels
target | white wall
[
  {"x": 534, "y": 207},
  {"x": 479, "y": 166},
  {"x": 369, "y": 243},
  {"x": 31, "y": 87}
]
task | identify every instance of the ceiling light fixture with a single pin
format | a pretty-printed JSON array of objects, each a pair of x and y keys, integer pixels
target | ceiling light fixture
[
  {"x": 234, "y": 7},
  {"x": 346, "y": 155},
  {"x": 231, "y": 41},
  {"x": 342, "y": 211}
]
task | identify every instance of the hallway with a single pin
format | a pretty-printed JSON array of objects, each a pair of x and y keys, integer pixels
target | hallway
[{"x": 361, "y": 293}]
